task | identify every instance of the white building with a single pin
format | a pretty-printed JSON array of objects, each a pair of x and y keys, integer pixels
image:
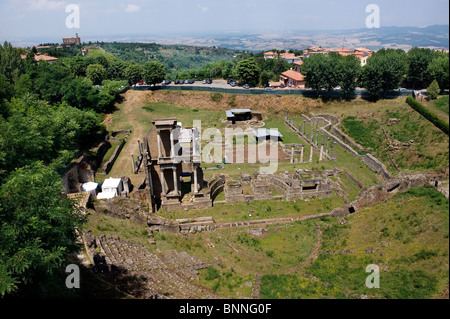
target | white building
[
  {"x": 111, "y": 188},
  {"x": 90, "y": 187}
]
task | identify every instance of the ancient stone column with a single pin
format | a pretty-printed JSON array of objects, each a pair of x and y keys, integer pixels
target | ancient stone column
[
  {"x": 175, "y": 181},
  {"x": 172, "y": 146},
  {"x": 312, "y": 135},
  {"x": 304, "y": 125},
  {"x": 292, "y": 155},
  {"x": 140, "y": 147},
  {"x": 301, "y": 154},
  {"x": 163, "y": 183},
  {"x": 195, "y": 180},
  {"x": 311, "y": 154},
  {"x": 321, "y": 154},
  {"x": 322, "y": 139},
  {"x": 334, "y": 149},
  {"x": 317, "y": 136},
  {"x": 158, "y": 134},
  {"x": 328, "y": 144}
]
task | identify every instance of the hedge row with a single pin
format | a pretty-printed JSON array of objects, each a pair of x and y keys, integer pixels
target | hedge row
[{"x": 439, "y": 123}]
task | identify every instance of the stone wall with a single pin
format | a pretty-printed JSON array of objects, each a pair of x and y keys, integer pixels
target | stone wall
[
  {"x": 382, "y": 192},
  {"x": 109, "y": 164},
  {"x": 216, "y": 187},
  {"x": 376, "y": 166},
  {"x": 341, "y": 143},
  {"x": 234, "y": 192}
]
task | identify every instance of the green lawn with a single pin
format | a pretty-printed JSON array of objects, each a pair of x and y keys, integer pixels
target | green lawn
[{"x": 260, "y": 210}]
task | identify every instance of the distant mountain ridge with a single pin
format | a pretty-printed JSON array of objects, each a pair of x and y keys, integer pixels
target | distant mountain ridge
[{"x": 433, "y": 37}]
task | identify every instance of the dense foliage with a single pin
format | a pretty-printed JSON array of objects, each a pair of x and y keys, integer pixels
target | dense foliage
[
  {"x": 47, "y": 114},
  {"x": 37, "y": 226}
]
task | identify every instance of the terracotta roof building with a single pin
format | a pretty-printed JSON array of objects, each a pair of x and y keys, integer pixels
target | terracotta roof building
[
  {"x": 38, "y": 57},
  {"x": 290, "y": 57},
  {"x": 293, "y": 79}
]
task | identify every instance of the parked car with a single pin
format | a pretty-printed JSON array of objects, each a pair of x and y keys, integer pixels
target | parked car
[
  {"x": 246, "y": 86},
  {"x": 191, "y": 82},
  {"x": 233, "y": 84},
  {"x": 204, "y": 81},
  {"x": 209, "y": 81},
  {"x": 166, "y": 82}
]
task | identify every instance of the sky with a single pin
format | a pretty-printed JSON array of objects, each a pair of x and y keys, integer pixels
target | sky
[{"x": 46, "y": 19}]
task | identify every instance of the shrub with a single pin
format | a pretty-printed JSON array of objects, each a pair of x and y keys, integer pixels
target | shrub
[
  {"x": 433, "y": 90},
  {"x": 212, "y": 273},
  {"x": 232, "y": 101},
  {"x": 216, "y": 97}
]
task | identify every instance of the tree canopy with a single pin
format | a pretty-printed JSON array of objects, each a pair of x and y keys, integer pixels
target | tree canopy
[{"x": 37, "y": 226}]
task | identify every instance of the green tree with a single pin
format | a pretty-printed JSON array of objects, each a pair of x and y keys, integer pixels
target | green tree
[
  {"x": 37, "y": 226},
  {"x": 23, "y": 85},
  {"x": 439, "y": 70},
  {"x": 419, "y": 60},
  {"x": 11, "y": 64},
  {"x": 116, "y": 70},
  {"x": 50, "y": 79},
  {"x": 79, "y": 93},
  {"x": 313, "y": 69},
  {"x": 330, "y": 72},
  {"x": 384, "y": 71},
  {"x": 349, "y": 70},
  {"x": 133, "y": 73},
  {"x": 96, "y": 73},
  {"x": 6, "y": 92},
  {"x": 433, "y": 90},
  {"x": 248, "y": 71},
  {"x": 266, "y": 76},
  {"x": 6, "y": 88},
  {"x": 154, "y": 73},
  {"x": 77, "y": 66}
]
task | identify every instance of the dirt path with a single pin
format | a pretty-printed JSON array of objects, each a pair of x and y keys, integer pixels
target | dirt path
[{"x": 129, "y": 114}]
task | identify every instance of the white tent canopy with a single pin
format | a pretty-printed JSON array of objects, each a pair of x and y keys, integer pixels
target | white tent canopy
[{"x": 90, "y": 187}]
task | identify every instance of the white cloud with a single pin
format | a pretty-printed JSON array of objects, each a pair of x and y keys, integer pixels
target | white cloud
[
  {"x": 132, "y": 8},
  {"x": 204, "y": 9},
  {"x": 45, "y": 4}
]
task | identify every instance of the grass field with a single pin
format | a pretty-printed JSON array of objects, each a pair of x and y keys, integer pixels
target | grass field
[
  {"x": 440, "y": 107},
  {"x": 413, "y": 261},
  {"x": 261, "y": 210}
]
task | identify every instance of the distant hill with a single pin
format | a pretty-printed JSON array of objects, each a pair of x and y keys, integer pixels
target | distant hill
[
  {"x": 175, "y": 57},
  {"x": 434, "y": 37}
]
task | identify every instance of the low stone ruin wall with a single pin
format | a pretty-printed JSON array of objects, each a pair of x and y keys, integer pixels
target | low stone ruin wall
[
  {"x": 382, "y": 192},
  {"x": 376, "y": 166},
  {"x": 109, "y": 164}
]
